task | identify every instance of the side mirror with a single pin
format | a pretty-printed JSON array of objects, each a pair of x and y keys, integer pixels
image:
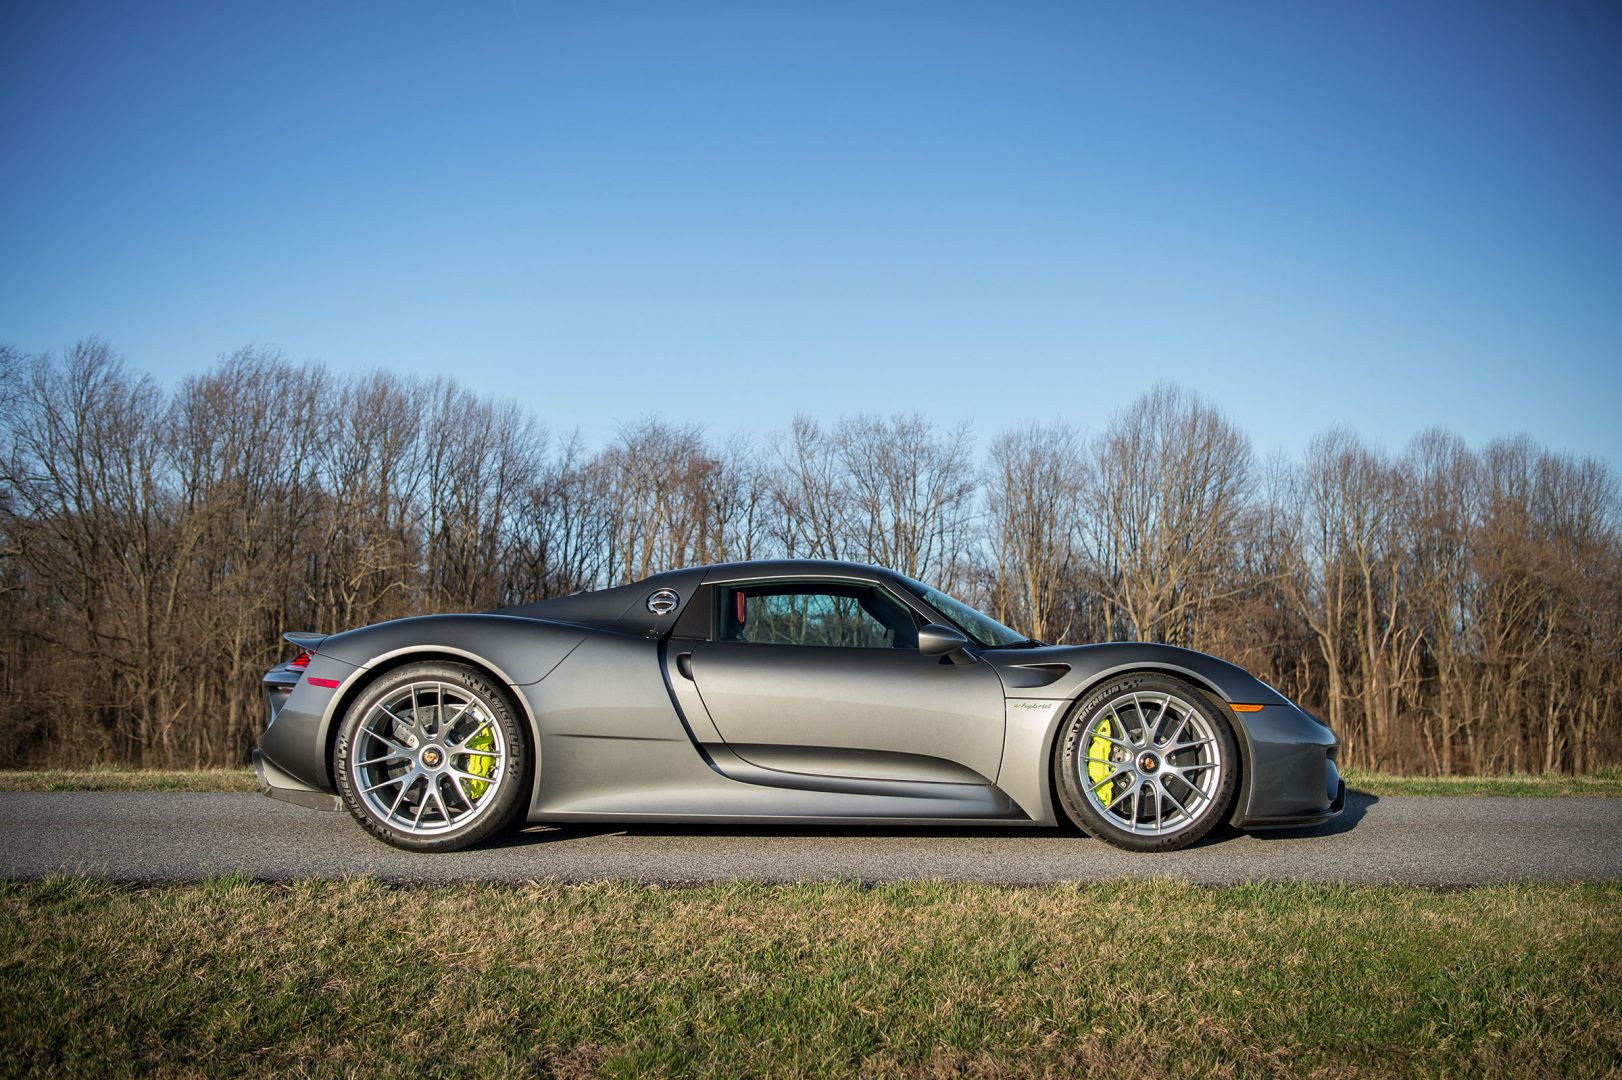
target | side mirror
[{"x": 937, "y": 640}]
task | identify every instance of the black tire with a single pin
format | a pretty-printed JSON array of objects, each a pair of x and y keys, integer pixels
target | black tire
[
  {"x": 489, "y": 705},
  {"x": 1169, "y": 776}
]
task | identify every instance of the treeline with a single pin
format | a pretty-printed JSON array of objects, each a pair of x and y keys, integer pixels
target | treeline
[{"x": 1448, "y": 610}]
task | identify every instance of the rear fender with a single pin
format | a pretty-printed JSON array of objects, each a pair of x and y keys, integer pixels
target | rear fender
[{"x": 517, "y": 652}]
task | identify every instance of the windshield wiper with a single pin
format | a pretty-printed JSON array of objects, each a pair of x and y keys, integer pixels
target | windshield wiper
[{"x": 1022, "y": 643}]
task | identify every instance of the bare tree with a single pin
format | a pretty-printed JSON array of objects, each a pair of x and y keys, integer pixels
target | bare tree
[
  {"x": 909, "y": 490},
  {"x": 90, "y": 521},
  {"x": 560, "y": 537},
  {"x": 1450, "y": 610},
  {"x": 657, "y": 477},
  {"x": 812, "y": 498},
  {"x": 370, "y": 471},
  {"x": 1033, "y": 496},
  {"x": 233, "y": 439},
  {"x": 481, "y": 458},
  {"x": 1164, "y": 498}
]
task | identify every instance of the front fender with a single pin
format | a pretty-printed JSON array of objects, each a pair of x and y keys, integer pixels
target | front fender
[{"x": 1044, "y": 685}]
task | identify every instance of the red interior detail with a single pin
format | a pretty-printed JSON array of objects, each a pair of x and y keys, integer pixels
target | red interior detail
[{"x": 738, "y": 596}]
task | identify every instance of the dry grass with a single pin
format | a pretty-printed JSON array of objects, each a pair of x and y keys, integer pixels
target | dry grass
[
  {"x": 128, "y": 780},
  {"x": 1606, "y": 783},
  {"x": 1125, "y": 978}
]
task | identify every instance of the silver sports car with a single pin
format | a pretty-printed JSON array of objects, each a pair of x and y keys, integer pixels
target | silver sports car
[{"x": 784, "y": 692}]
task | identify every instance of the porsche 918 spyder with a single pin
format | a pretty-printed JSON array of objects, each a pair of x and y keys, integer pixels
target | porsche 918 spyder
[{"x": 791, "y": 691}]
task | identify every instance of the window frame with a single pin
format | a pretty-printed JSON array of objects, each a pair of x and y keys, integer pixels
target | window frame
[{"x": 721, "y": 589}]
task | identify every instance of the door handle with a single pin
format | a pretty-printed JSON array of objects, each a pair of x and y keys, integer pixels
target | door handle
[{"x": 684, "y": 664}]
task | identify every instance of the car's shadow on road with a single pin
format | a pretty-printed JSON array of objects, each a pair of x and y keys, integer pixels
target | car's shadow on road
[
  {"x": 1357, "y": 804},
  {"x": 564, "y": 832}
]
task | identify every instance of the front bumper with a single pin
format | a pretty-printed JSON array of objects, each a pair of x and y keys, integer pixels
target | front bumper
[
  {"x": 1316, "y": 817},
  {"x": 1291, "y": 775}
]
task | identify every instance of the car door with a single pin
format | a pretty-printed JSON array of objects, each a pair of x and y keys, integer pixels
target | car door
[{"x": 825, "y": 678}]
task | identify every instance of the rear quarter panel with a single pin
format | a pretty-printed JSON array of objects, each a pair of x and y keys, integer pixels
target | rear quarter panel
[{"x": 516, "y": 651}]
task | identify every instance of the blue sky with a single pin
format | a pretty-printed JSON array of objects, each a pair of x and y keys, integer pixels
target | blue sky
[{"x": 1387, "y": 216}]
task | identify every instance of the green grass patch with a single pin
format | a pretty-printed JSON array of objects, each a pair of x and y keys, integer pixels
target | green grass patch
[
  {"x": 1606, "y": 783},
  {"x": 128, "y": 780},
  {"x": 1114, "y": 979}
]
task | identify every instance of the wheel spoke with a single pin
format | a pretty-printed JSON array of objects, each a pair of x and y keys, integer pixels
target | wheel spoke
[
  {"x": 1180, "y": 769},
  {"x": 1166, "y": 792},
  {"x": 1180, "y": 726},
  {"x": 373, "y": 732},
  {"x": 408, "y": 725},
  {"x": 1161, "y": 717},
  {"x": 382, "y": 784},
  {"x": 1143, "y": 721},
  {"x": 450, "y": 725},
  {"x": 1120, "y": 726},
  {"x": 410, "y": 778},
  {"x": 1110, "y": 779},
  {"x": 1114, "y": 740}
]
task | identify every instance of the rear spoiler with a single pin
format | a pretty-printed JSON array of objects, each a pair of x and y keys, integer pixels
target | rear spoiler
[{"x": 306, "y": 640}]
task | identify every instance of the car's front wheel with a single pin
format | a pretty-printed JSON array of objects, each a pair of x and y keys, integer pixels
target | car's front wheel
[
  {"x": 1147, "y": 763},
  {"x": 432, "y": 757}
]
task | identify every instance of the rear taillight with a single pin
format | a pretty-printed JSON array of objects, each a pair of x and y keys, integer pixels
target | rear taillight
[{"x": 299, "y": 662}]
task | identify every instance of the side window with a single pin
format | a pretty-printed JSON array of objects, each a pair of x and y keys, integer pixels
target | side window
[{"x": 830, "y": 615}]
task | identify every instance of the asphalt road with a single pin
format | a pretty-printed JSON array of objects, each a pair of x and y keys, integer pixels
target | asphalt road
[{"x": 153, "y": 837}]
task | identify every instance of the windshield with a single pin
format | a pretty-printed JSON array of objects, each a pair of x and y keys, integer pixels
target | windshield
[{"x": 981, "y": 627}]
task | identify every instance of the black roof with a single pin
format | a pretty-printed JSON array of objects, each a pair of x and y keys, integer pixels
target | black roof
[
  {"x": 759, "y": 568},
  {"x": 626, "y": 605}
]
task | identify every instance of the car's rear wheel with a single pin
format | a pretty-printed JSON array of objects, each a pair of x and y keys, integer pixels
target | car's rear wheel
[
  {"x": 1147, "y": 763},
  {"x": 432, "y": 757}
]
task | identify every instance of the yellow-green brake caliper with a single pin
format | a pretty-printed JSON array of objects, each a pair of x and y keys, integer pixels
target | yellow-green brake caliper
[
  {"x": 1098, "y": 770},
  {"x": 480, "y": 764}
]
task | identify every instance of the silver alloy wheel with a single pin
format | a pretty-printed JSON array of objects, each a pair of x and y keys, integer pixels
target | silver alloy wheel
[
  {"x": 1150, "y": 763},
  {"x": 428, "y": 758}
]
